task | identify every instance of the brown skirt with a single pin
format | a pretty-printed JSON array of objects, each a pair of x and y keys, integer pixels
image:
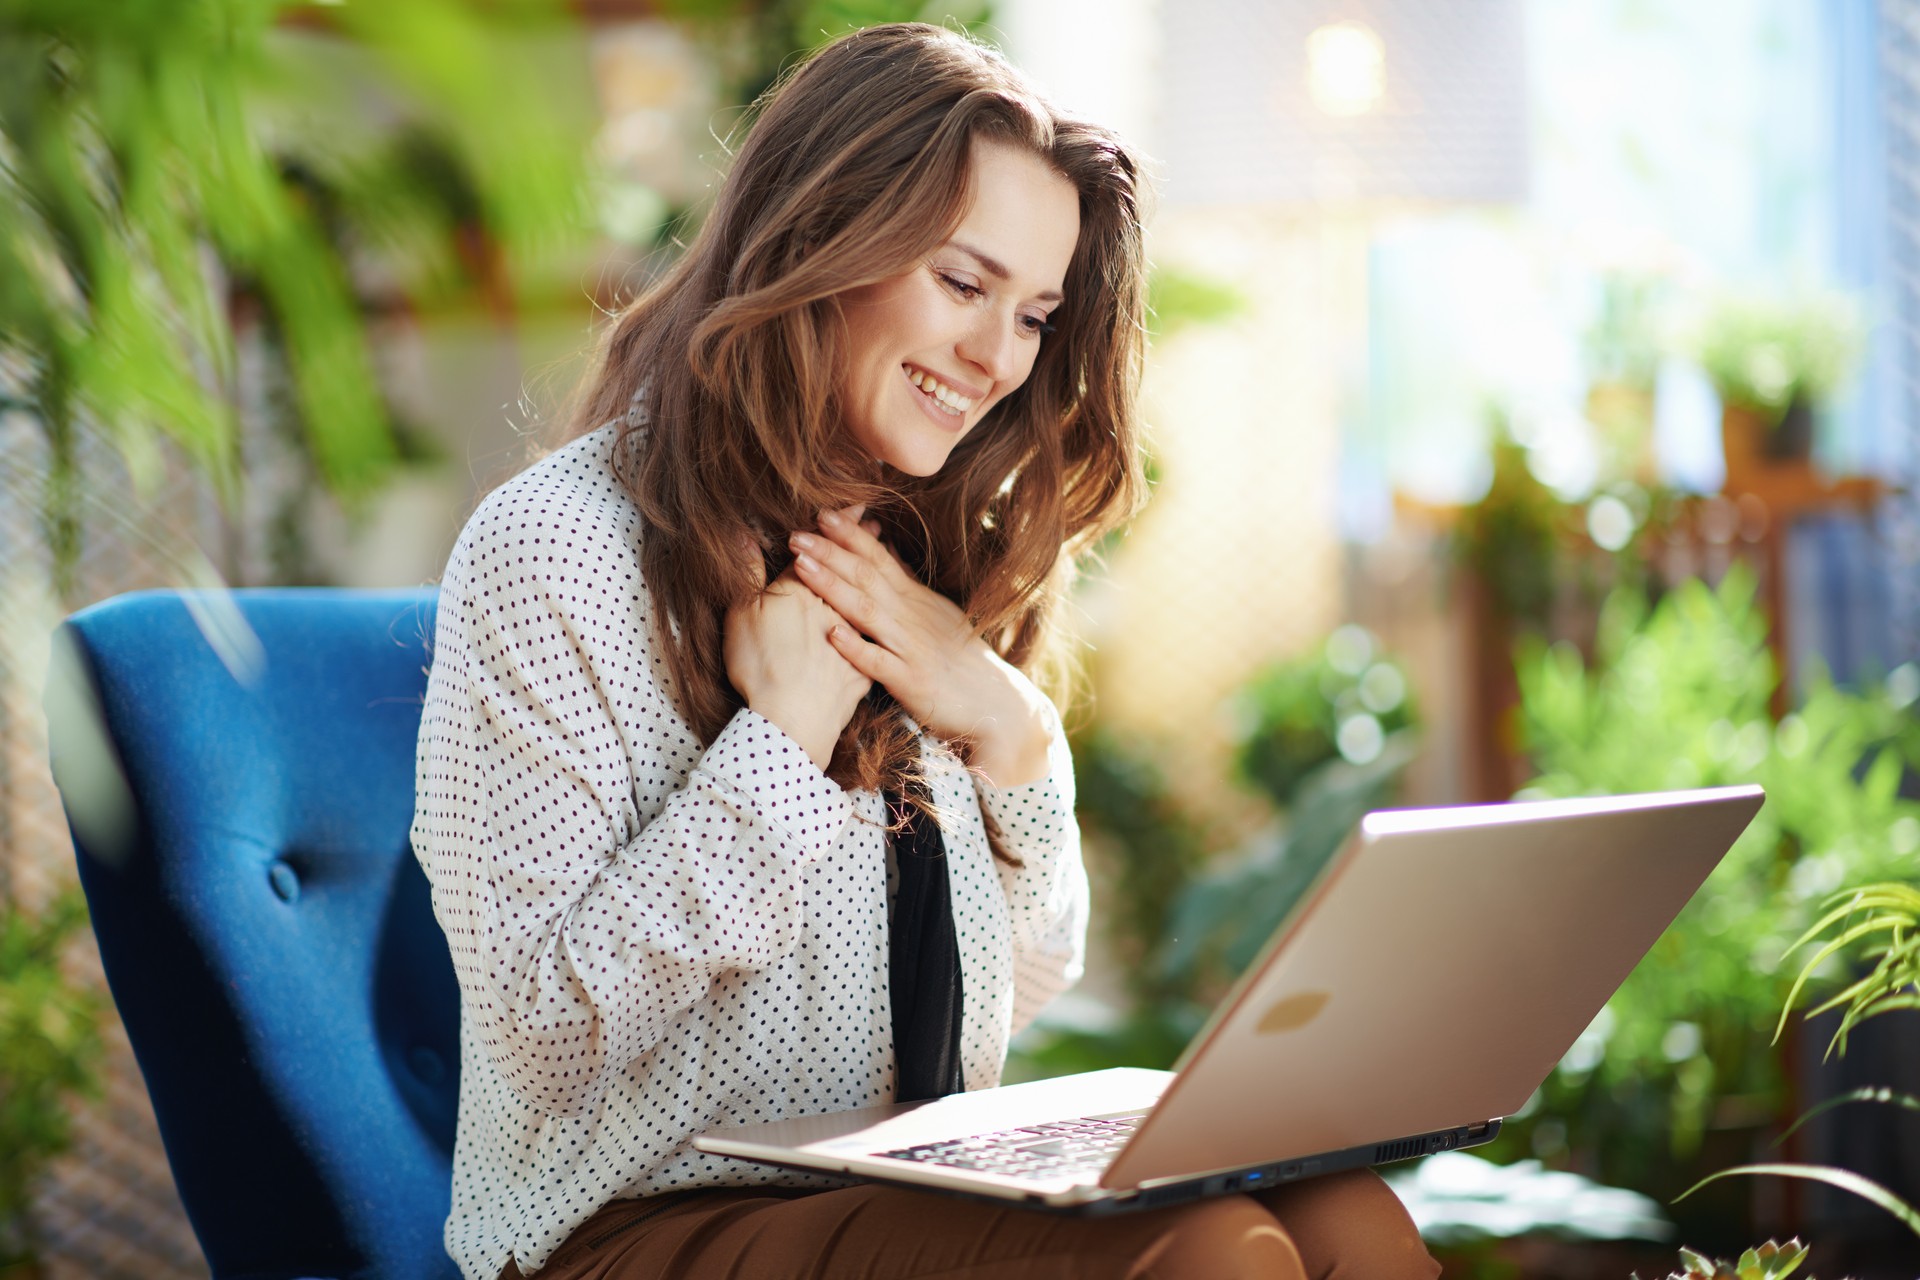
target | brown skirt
[{"x": 1346, "y": 1226}]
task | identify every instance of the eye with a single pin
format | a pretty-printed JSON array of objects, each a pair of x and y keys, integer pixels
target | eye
[
  {"x": 1036, "y": 326},
  {"x": 964, "y": 288}
]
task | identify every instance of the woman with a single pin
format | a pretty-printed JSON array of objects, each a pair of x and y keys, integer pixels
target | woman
[{"x": 705, "y": 675}]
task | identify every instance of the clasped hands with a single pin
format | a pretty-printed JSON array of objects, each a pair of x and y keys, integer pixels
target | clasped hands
[{"x": 848, "y": 614}]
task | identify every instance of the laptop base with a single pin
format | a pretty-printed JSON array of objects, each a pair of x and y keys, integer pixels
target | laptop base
[{"x": 1089, "y": 1200}]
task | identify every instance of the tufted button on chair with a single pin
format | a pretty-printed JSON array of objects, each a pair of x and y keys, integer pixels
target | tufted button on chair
[{"x": 237, "y": 770}]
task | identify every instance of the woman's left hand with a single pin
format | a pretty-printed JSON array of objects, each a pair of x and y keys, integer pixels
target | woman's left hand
[{"x": 921, "y": 647}]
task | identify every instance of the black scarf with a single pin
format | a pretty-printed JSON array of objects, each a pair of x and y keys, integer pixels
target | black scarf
[{"x": 923, "y": 958}]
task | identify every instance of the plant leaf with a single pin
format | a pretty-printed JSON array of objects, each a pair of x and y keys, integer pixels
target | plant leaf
[
  {"x": 1844, "y": 1179},
  {"x": 1870, "y": 1093}
]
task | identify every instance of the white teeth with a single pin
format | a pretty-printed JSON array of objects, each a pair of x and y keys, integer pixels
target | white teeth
[{"x": 943, "y": 395}]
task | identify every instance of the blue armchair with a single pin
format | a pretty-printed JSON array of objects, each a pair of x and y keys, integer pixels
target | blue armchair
[{"x": 267, "y": 935}]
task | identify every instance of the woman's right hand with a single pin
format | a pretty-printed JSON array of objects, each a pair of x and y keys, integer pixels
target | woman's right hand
[{"x": 782, "y": 662}]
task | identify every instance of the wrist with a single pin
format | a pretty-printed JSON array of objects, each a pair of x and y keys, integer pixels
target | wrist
[
  {"x": 1016, "y": 751},
  {"x": 817, "y": 745},
  {"x": 1009, "y": 745}
]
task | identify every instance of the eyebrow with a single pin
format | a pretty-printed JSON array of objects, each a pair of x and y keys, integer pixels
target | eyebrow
[{"x": 994, "y": 267}]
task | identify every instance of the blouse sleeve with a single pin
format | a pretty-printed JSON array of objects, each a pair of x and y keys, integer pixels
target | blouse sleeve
[
  {"x": 594, "y": 869},
  {"x": 1047, "y": 894}
]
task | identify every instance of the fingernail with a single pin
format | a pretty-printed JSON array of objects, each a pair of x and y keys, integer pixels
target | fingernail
[
  {"x": 802, "y": 540},
  {"x": 830, "y": 517},
  {"x": 809, "y": 564}
]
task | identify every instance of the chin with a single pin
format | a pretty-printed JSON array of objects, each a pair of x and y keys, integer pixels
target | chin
[
  {"x": 921, "y": 465},
  {"x": 919, "y": 458}
]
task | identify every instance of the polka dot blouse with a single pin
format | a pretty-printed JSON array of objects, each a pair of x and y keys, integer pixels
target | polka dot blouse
[{"x": 655, "y": 938}]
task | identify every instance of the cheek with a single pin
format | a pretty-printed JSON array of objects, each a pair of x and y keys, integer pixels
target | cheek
[
  {"x": 1026, "y": 370},
  {"x": 1014, "y": 390},
  {"x": 867, "y": 376},
  {"x": 870, "y": 344}
]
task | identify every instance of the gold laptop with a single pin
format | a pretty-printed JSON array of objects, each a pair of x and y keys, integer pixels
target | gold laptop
[{"x": 1435, "y": 973}]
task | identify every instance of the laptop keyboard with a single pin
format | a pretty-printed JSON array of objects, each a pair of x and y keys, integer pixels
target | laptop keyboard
[{"x": 1038, "y": 1152}]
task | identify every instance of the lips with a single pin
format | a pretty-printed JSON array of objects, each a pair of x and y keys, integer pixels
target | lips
[{"x": 943, "y": 395}]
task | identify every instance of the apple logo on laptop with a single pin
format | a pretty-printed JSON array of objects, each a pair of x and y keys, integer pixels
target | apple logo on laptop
[{"x": 1290, "y": 1013}]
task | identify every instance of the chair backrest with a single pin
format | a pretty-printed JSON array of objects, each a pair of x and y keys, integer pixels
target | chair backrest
[{"x": 267, "y": 934}]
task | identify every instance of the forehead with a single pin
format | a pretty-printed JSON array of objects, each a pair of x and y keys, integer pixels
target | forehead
[{"x": 1022, "y": 213}]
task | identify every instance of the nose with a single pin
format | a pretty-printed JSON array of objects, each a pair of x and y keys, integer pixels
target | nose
[{"x": 990, "y": 345}]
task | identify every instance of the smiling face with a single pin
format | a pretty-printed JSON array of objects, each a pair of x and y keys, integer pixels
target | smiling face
[{"x": 929, "y": 352}]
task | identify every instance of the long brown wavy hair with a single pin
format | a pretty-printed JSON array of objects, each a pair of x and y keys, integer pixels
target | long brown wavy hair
[{"x": 854, "y": 170}]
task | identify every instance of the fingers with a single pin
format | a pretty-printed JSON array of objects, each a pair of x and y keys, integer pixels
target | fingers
[
  {"x": 850, "y": 584},
  {"x": 857, "y": 570},
  {"x": 887, "y": 556},
  {"x": 892, "y": 555},
  {"x": 861, "y": 536},
  {"x": 783, "y": 662},
  {"x": 869, "y": 659},
  {"x": 796, "y": 610}
]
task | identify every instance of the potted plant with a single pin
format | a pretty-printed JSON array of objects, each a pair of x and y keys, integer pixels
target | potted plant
[
  {"x": 1770, "y": 1261},
  {"x": 1775, "y": 358}
]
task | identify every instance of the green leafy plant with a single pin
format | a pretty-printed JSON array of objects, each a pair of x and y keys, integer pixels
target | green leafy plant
[
  {"x": 1343, "y": 702},
  {"x": 1844, "y": 1179},
  {"x": 1511, "y": 537},
  {"x": 166, "y": 171},
  {"x": 1770, "y": 1261},
  {"x": 1881, "y": 920},
  {"x": 1676, "y": 695},
  {"x": 50, "y": 1050},
  {"x": 1765, "y": 350}
]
